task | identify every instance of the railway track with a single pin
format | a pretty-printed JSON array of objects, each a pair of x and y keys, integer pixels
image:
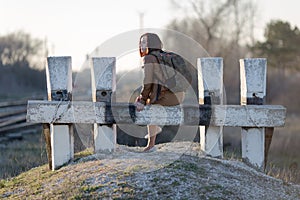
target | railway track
[{"x": 13, "y": 117}]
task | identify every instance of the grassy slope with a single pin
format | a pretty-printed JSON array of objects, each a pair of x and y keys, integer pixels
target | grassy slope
[{"x": 174, "y": 171}]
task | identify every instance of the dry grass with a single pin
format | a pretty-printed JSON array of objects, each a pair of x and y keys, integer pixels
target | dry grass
[
  {"x": 21, "y": 155},
  {"x": 284, "y": 160}
]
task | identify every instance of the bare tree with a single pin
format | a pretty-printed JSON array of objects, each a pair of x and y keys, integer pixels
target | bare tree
[
  {"x": 218, "y": 24},
  {"x": 20, "y": 49}
]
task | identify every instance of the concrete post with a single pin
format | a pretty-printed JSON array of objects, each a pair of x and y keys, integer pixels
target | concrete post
[
  {"x": 210, "y": 84},
  {"x": 59, "y": 87},
  {"x": 103, "y": 72},
  {"x": 253, "y": 91}
]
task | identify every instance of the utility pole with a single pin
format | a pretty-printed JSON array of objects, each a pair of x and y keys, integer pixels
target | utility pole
[
  {"x": 141, "y": 15},
  {"x": 141, "y": 19}
]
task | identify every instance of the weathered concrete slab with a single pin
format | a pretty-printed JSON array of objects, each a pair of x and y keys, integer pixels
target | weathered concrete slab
[
  {"x": 210, "y": 86},
  {"x": 59, "y": 77},
  {"x": 62, "y": 140},
  {"x": 253, "y": 74},
  {"x": 59, "y": 88},
  {"x": 123, "y": 113},
  {"x": 103, "y": 72},
  {"x": 103, "y": 78}
]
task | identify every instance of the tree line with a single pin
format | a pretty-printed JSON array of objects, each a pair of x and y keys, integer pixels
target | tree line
[{"x": 22, "y": 71}]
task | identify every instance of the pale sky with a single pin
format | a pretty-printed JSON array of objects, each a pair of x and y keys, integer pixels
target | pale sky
[{"x": 76, "y": 28}]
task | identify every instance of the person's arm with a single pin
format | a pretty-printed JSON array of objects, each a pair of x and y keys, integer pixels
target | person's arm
[{"x": 148, "y": 80}]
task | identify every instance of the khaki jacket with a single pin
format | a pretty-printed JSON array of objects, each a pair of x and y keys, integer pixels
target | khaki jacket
[{"x": 153, "y": 92}]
